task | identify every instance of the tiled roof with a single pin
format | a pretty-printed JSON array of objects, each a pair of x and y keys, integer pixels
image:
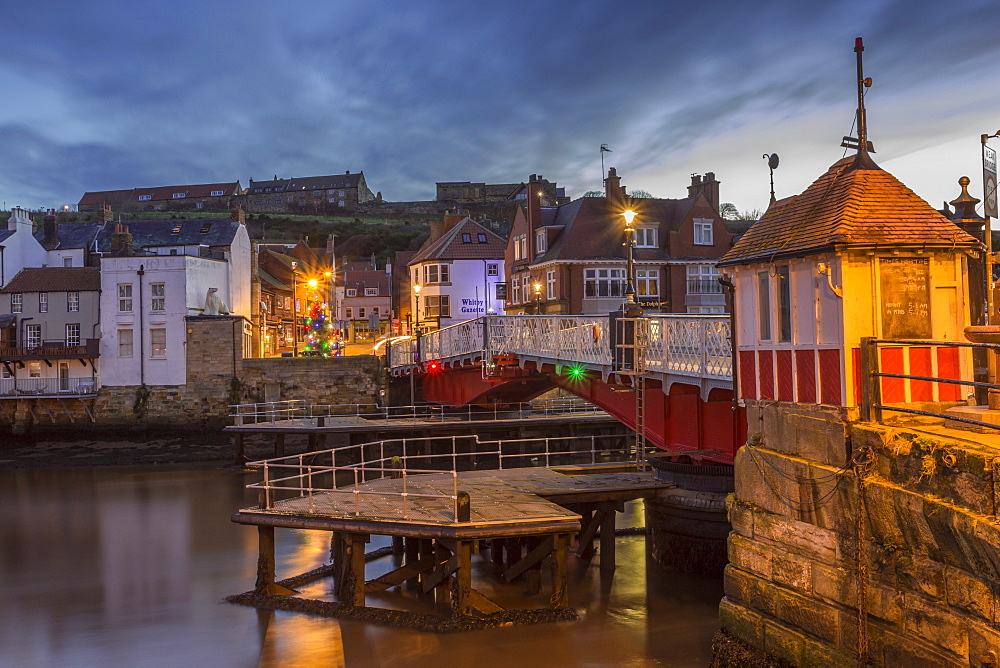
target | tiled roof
[
  {"x": 72, "y": 235},
  {"x": 854, "y": 204},
  {"x": 193, "y": 190},
  {"x": 55, "y": 279},
  {"x": 105, "y": 197},
  {"x": 370, "y": 278},
  {"x": 451, "y": 245},
  {"x": 152, "y": 233}
]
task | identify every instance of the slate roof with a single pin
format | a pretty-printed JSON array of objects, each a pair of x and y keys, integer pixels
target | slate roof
[
  {"x": 854, "y": 204},
  {"x": 451, "y": 246},
  {"x": 345, "y": 181},
  {"x": 72, "y": 235},
  {"x": 5, "y": 233},
  {"x": 212, "y": 232},
  {"x": 55, "y": 279}
]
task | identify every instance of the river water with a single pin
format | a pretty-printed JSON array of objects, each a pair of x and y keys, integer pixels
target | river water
[{"x": 128, "y": 566}]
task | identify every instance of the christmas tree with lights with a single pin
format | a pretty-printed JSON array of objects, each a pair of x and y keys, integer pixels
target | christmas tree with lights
[{"x": 319, "y": 333}]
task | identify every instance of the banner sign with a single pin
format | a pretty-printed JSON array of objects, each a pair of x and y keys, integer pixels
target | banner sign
[{"x": 990, "y": 182}]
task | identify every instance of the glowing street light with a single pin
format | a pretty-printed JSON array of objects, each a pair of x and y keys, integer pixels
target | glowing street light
[
  {"x": 630, "y": 302},
  {"x": 537, "y": 287}
]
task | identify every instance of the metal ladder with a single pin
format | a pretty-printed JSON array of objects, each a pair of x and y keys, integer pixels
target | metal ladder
[{"x": 631, "y": 355}]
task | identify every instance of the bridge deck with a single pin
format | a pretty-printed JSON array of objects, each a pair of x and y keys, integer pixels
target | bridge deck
[
  {"x": 352, "y": 423},
  {"x": 503, "y": 503}
]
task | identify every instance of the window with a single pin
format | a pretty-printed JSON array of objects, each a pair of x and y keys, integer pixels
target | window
[
  {"x": 340, "y": 203},
  {"x": 158, "y": 293},
  {"x": 706, "y": 310},
  {"x": 492, "y": 270},
  {"x": 176, "y": 229},
  {"x": 541, "y": 242},
  {"x": 703, "y": 231},
  {"x": 466, "y": 238},
  {"x": 206, "y": 227},
  {"x": 43, "y": 302},
  {"x": 218, "y": 193},
  {"x": 371, "y": 292},
  {"x": 482, "y": 238},
  {"x": 647, "y": 283},
  {"x": 16, "y": 303},
  {"x": 124, "y": 343},
  {"x": 145, "y": 198},
  {"x": 525, "y": 291},
  {"x": 361, "y": 312},
  {"x": 124, "y": 297},
  {"x": 72, "y": 301},
  {"x": 34, "y": 369},
  {"x": 445, "y": 273},
  {"x": 437, "y": 273},
  {"x": 515, "y": 289},
  {"x": 73, "y": 334},
  {"x": 179, "y": 195},
  {"x": 703, "y": 279},
  {"x": 784, "y": 305},
  {"x": 603, "y": 283},
  {"x": 33, "y": 336},
  {"x": 645, "y": 237},
  {"x": 521, "y": 247},
  {"x": 352, "y": 292},
  {"x": 158, "y": 342},
  {"x": 437, "y": 306},
  {"x": 67, "y": 262},
  {"x": 764, "y": 305},
  {"x": 375, "y": 310},
  {"x": 199, "y": 205},
  {"x": 349, "y": 313},
  {"x": 550, "y": 284}
]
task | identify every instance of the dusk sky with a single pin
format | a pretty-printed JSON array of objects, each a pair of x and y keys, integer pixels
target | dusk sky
[{"x": 103, "y": 95}]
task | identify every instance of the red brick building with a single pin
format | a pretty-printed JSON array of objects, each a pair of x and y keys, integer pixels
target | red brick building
[{"x": 571, "y": 258}]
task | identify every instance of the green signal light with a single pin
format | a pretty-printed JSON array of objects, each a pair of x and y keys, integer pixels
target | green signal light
[{"x": 576, "y": 372}]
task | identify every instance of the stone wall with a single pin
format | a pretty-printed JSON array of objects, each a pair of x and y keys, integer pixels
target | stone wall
[{"x": 927, "y": 579}]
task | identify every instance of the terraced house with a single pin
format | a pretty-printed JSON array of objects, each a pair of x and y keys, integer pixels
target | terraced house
[{"x": 309, "y": 194}]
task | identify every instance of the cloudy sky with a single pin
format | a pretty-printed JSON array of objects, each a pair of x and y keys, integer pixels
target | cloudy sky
[{"x": 105, "y": 95}]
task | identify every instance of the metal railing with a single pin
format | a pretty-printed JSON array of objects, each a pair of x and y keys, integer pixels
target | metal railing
[
  {"x": 58, "y": 348},
  {"x": 871, "y": 404},
  {"x": 12, "y": 388},
  {"x": 309, "y": 474},
  {"x": 279, "y": 411}
]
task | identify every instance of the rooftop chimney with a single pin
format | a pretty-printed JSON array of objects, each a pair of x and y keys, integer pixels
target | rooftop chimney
[
  {"x": 707, "y": 186},
  {"x": 237, "y": 216},
  {"x": 121, "y": 241},
  {"x": 453, "y": 217},
  {"x": 613, "y": 186},
  {"x": 104, "y": 214},
  {"x": 50, "y": 231}
]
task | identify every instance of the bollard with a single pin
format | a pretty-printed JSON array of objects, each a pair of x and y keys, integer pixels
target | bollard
[{"x": 463, "y": 508}]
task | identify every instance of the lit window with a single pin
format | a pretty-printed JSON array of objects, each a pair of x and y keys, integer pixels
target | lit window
[
  {"x": 515, "y": 287},
  {"x": 124, "y": 297},
  {"x": 16, "y": 303},
  {"x": 371, "y": 292},
  {"x": 43, "y": 302},
  {"x": 124, "y": 343},
  {"x": 34, "y": 369},
  {"x": 73, "y": 334},
  {"x": 550, "y": 284},
  {"x": 492, "y": 270},
  {"x": 72, "y": 301},
  {"x": 158, "y": 342},
  {"x": 603, "y": 283},
  {"x": 703, "y": 232},
  {"x": 645, "y": 237},
  {"x": 437, "y": 306},
  {"x": 176, "y": 229},
  {"x": 647, "y": 283},
  {"x": 158, "y": 293}
]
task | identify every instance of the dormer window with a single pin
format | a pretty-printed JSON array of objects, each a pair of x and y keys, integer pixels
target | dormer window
[
  {"x": 218, "y": 193},
  {"x": 541, "y": 242},
  {"x": 645, "y": 237},
  {"x": 145, "y": 198},
  {"x": 352, "y": 292},
  {"x": 179, "y": 195},
  {"x": 703, "y": 232},
  {"x": 206, "y": 227},
  {"x": 176, "y": 229}
]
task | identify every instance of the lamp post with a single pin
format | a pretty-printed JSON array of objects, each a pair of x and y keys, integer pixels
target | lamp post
[
  {"x": 416, "y": 301},
  {"x": 537, "y": 287},
  {"x": 295, "y": 309},
  {"x": 631, "y": 306},
  {"x": 989, "y": 208}
]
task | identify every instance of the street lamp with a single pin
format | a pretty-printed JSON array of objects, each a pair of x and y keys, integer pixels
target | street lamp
[
  {"x": 537, "y": 287},
  {"x": 295, "y": 309},
  {"x": 416, "y": 300},
  {"x": 630, "y": 303}
]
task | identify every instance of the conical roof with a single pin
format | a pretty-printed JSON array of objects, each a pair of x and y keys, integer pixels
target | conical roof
[{"x": 855, "y": 204}]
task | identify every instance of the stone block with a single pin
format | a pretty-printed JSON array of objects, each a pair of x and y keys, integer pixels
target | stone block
[
  {"x": 835, "y": 583},
  {"x": 792, "y": 571},
  {"x": 820, "y": 655},
  {"x": 740, "y": 516},
  {"x": 818, "y": 436},
  {"x": 937, "y": 626},
  {"x": 784, "y": 643},
  {"x": 982, "y": 641},
  {"x": 970, "y": 594},
  {"x": 806, "y": 539},
  {"x": 813, "y": 617},
  {"x": 924, "y": 576},
  {"x": 751, "y": 591},
  {"x": 885, "y": 603},
  {"x": 741, "y": 622},
  {"x": 750, "y": 556},
  {"x": 909, "y": 651}
]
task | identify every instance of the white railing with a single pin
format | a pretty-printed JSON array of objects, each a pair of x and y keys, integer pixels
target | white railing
[
  {"x": 691, "y": 345},
  {"x": 279, "y": 411},
  {"x": 312, "y": 473},
  {"x": 20, "y": 387}
]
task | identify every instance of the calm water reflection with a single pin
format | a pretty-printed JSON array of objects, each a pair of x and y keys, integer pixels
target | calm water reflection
[{"x": 128, "y": 566}]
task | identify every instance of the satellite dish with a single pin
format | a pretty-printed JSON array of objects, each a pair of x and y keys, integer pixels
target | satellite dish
[{"x": 772, "y": 161}]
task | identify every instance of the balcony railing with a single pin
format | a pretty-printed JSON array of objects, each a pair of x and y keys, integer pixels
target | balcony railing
[
  {"x": 13, "y": 388},
  {"x": 704, "y": 286},
  {"x": 40, "y": 350}
]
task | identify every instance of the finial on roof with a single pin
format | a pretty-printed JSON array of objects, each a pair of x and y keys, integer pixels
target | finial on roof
[
  {"x": 861, "y": 143},
  {"x": 965, "y": 203}
]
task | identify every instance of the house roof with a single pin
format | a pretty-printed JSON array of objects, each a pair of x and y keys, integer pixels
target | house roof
[
  {"x": 854, "y": 204},
  {"x": 5, "y": 233},
  {"x": 452, "y": 245},
  {"x": 105, "y": 197},
  {"x": 55, "y": 279},
  {"x": 367, "y": 278},
  {"x": 192, "y": 190},
  {"x": 72, "y": 235},
  {"x": 346, "y": 181},
  {"x": 272, "y": 281},
  {"x": 153, "y": 233}
]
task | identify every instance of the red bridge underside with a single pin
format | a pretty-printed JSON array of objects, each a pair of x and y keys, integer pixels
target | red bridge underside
[{"x": 677, "y": 421}]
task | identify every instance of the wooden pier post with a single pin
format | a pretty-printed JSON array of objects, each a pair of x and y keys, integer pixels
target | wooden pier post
[
  {"x": 352, "y": 590},
  {"x": 265, "y": 559},
  {"x": 560, "y": 589},
  {"x": 461, "y": 588}
]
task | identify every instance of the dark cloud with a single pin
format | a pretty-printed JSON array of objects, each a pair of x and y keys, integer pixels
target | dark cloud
[{"x": 111, "y": 95}]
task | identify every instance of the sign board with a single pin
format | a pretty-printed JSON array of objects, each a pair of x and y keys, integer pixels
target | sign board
[
  {"x": 990, "y": 182},
  {"x": 906, "y": 297},
  {"x": 373, "y": 321},
  {"x": 501, "y": 289}
]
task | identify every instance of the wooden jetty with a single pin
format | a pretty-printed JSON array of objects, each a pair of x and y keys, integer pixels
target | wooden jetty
[{"x": 439, "y": 520}]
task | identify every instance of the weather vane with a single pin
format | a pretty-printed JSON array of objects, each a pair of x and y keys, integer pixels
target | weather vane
[
  {"x": 604, "y": 149},
  {"x": 772, "y": 163},
  {"x": 861, "y": 143}
]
